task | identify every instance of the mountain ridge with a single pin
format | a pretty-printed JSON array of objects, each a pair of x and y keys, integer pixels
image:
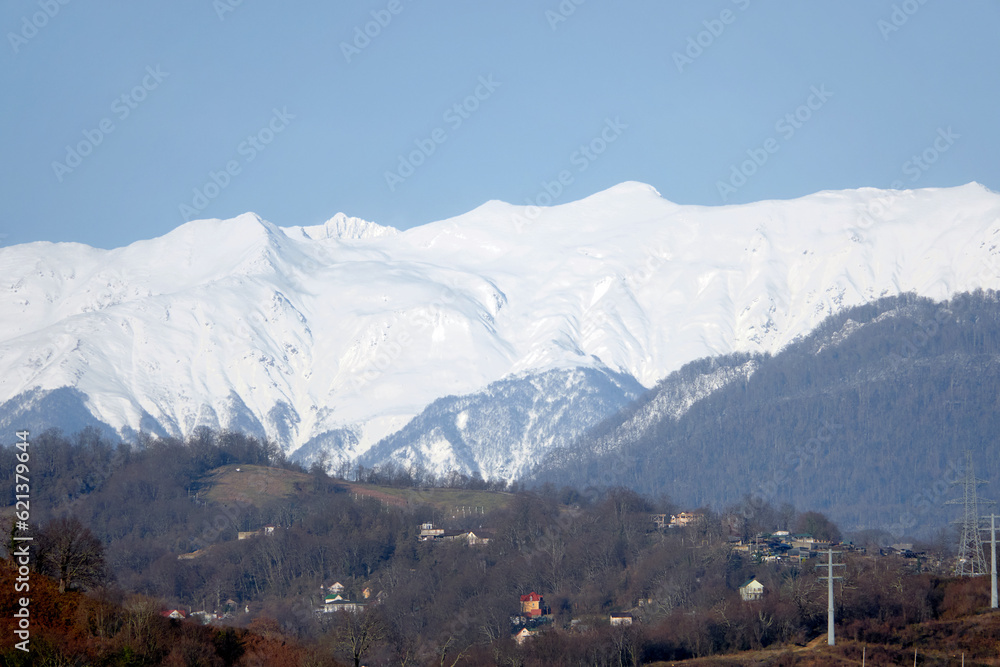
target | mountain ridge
[{"x": 353, "y": 329}]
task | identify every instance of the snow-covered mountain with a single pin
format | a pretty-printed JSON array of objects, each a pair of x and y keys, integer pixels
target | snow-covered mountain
[
  {"x": 336, "y": 336},
  {"x": 501, "y": 430}
]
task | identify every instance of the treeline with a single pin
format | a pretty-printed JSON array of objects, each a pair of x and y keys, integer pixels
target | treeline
[
  {"x": 407, "y": 477},
  {"x": 64, "y": 468}
]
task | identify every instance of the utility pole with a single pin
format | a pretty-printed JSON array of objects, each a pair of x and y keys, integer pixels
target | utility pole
[
  {"x": 993, "y": 560},
  {"x": 829, "y": 564}
]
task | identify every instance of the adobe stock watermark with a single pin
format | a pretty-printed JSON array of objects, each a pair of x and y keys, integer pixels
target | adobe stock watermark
[
  {"x": 364, "y": 34},
  {"x": 876, "y": 210},
  {"x": 562, "y": 12},
  {"x": 804, "y": 454},
  {"x": 122, "y": 107},
  {"x": 900, "y": 16},
  {"x": 594, "y": 320},
  {"x": 390, "y": 353},
  {"x": 919, "y": 164},
  {"x": 926, "y": 499},
  {"x": 704, "y": 39},
  {"x": 37, "y": 21},
  {"x": 584, "y": 156},
  {"x": 224, "y": 7},
  {"x": 454, "y": 116},
  {"x": 926, "y": 331},
  {"x": 873, "y": 212},
  {"x": 248, "y": 150},
  {"x": 786, "y": 127}
]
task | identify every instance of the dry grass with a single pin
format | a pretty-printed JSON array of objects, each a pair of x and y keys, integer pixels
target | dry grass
[
  {"x": 259, "y": 485},
  {"x": 254, "y": 484},
  {"x": 451, "y": 501}
]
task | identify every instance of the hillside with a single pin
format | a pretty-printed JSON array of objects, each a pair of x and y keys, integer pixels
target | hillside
[
  {"x": 260, "y": 486},
  {"x": 867, "y": 419},
  {"x": 969, "y": 640},
  {"x": 256, "y": 485},
  {"x": 588, "y": 554}
]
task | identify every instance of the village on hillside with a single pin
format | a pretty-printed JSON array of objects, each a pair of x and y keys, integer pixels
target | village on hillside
[{"x": 780, "y": 547}]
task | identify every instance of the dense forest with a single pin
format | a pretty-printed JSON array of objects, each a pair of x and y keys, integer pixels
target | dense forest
[
  {"x": 868, "y": 418},
  {"x": 135, "y": 509}
]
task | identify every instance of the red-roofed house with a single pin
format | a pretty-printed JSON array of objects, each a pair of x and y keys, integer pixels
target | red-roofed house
[{"x": 531, "y": 604}]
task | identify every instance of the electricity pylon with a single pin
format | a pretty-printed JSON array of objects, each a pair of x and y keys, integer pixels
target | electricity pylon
[{"x": 971, "y": 562}]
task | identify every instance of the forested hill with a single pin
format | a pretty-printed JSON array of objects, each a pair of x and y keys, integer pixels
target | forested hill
[{"x": 867, "y": 419}]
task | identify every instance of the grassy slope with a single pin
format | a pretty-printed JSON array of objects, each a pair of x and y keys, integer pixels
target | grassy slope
[
  {"x": 254, "y": 484},
  {"x": 259, "y": 484},
  {"x": 935, "y": 642}
]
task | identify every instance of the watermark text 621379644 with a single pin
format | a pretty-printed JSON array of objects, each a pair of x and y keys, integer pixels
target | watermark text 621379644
[{"x": 21, "y": 555}]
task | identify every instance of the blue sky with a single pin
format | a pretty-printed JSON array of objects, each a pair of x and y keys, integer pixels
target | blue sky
[{"x": 123, "y": 120}]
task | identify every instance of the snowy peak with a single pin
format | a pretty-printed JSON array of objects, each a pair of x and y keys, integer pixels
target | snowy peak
[
  {"x": 626, "y": 190},
  {"x": 342, "y": 226}
]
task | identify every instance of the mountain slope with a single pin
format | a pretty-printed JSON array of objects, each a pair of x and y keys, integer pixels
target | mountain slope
[
  {"x": 337, "y": 335},
  {"x": 867, "y": 418},
  {"x": 502, "y": 431}
]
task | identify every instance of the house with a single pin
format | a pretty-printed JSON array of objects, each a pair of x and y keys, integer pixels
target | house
[
  {"x": 337, "y": 588},
  {"x": 531, "y": 605},
  {"x": 468, "y": 536},
  {"x": 523, "y": 635},
  {"x": 246, "y": 534},
  {"x": 621, "y": 619},
  {"x": 752, "y": 590},
  {"x": 454, "y": 535},
  {"x": 203, "y": 617},
  {"x": 333, "y": 603},
  {"x": 684, "y": 519},
  {"x": 175, "y": 614},
  {"x": 429, "y": 532},
  {"x": 479, "y": 538}
]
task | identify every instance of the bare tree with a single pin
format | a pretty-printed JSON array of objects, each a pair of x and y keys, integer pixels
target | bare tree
[
  {"x": 357, "y": 632},
  {"x": 69, "y": 552}
]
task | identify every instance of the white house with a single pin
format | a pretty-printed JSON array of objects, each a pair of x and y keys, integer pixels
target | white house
[
  {"x": 752, "y": 590},
  {"x": 524, "y": 634},
  {"x": 333, "y": 603},
  {"x": 428, "y": 531},
  {"x": 621, "y": 619},
  {"x": 684, "y": 519}
]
